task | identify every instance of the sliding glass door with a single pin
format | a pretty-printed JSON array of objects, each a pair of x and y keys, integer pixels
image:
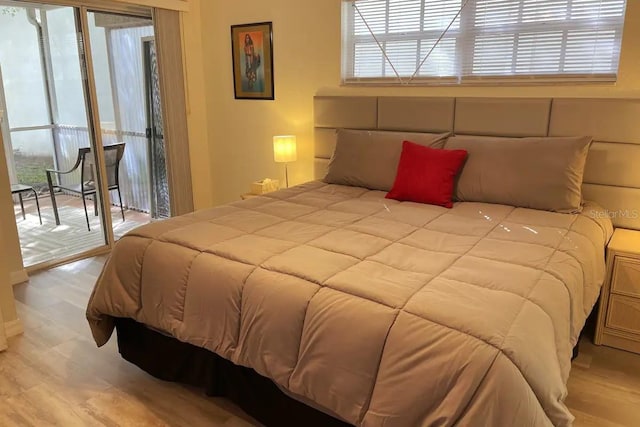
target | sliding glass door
[
  {"x": 48, "y": 133},
  {"x": 126, "y": 76},
  {"x": 83, "y": 127}
]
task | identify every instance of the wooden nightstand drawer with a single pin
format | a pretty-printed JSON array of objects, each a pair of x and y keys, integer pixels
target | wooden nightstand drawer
[
  {"x": 619, "y": 313},
  {"x": 624, "y": 314},
  {"x": 626, "y": 277}
]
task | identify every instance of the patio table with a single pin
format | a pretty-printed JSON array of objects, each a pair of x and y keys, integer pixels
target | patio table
[{"x": 21, "y": 188}]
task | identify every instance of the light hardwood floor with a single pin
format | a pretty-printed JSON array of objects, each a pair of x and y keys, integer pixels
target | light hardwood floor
[{"x": 54, "y": 374}]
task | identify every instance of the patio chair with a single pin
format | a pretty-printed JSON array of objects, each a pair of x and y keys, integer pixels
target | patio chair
[{"x": 85, "y": 162}]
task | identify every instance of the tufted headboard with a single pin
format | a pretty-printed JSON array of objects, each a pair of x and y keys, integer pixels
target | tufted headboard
[{"x": 612, "y": 175}]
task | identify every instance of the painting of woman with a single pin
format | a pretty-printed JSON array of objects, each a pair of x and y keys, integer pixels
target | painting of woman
[
  {"x": 253, "y": 77},
  {"x": 253, "y": 61}
]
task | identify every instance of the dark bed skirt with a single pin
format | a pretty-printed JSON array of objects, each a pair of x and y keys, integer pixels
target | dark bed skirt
[{"x": 172, "y": 360}]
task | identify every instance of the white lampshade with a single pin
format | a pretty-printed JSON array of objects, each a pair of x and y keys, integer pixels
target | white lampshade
[{"x": 284, "y": 148}]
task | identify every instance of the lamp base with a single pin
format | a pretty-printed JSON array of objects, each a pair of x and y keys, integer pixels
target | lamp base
[{"x": 286, "y": 175}]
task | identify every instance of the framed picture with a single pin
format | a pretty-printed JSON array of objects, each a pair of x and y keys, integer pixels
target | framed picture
[{"x": 252, "y": 48}]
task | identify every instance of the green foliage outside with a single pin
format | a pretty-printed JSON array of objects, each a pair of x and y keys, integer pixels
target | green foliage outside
[
  {"x": 31, "y": 169},
  {"x": 7, "y": 10}
]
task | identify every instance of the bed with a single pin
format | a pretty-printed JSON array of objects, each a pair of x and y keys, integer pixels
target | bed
[{"x": 337, "y": 306}]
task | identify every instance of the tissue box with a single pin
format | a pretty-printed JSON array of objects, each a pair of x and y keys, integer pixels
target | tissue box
[{"x": 265, "y": 186}]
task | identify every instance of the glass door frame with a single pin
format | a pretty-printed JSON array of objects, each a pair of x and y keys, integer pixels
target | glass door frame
[
  {"x": 93, "y": 111},
  {"x": 81, "y": 19},
  {"x": 166, "y": 18},
  {"x": 94, "y": 124}
]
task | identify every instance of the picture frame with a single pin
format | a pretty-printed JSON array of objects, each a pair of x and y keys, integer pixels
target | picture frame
[{"x": 252, "y": 52}]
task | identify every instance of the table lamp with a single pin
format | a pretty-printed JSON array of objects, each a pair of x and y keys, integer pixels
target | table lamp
[{"x": 284, "y": 151}]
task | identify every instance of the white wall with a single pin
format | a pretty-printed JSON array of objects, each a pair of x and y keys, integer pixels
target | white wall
[
  {"x": 10, "y": 256},
  {"x": 197, "y": 115},
  {"x": 306, "y": 57},
  {"x": 307, "y": 62}
]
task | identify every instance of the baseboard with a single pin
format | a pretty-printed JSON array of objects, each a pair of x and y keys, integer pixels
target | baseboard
[
  {"x": 17, "y": 277},
  {"x": 13, "y": 328}
]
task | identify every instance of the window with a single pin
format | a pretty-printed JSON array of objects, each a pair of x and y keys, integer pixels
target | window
[{"x": 458, "y": 41}]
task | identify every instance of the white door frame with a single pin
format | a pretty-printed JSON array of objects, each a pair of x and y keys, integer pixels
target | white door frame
[{"x": 6, "y": 133}]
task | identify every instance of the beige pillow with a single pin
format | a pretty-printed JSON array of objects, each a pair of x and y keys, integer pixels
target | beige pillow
[
  {"x": 370, "y": 159},
  {"x": 537, "y": 173}
]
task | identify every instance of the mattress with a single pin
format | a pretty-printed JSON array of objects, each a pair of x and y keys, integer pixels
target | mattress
[{"x": 376, "y": 311}]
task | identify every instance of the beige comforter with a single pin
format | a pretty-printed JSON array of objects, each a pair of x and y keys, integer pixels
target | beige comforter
[{"x": 379, "y": 312}]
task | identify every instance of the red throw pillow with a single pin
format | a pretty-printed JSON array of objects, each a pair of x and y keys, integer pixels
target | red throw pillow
[{"x": 426, "y": 175}]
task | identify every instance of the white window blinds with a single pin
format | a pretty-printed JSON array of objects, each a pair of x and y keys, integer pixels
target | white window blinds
[{"x": 453, "y": 41}]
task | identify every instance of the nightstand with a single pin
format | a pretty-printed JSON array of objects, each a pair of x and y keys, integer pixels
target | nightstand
[
  {"x": 619, "y": 313},
  {"x": 247, "y": 196}
]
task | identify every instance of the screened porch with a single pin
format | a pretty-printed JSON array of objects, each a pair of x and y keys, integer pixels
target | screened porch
[{"x": 43, "y": 93}]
